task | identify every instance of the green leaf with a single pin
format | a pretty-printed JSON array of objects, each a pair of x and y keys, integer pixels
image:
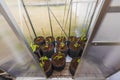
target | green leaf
[
  {"x": 41, "y": 65},
  {"x": 58, "y": 57},
  {"x": 44, "y": 58},
  {"x": 33, "y": 46},
  {"x": 78, "y": 60}
]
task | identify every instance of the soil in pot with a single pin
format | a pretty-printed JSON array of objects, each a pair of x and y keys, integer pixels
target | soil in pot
[
  {"x": 46, "y": 64},
  {"x": 39, "y": 40},
  {"x": 73, "y": 65},
  {"x": 71, "y": 39},
  {"x": 38, "y": 52},
  {"x": 47, "y": 50},
  {"x": 50, "y": 39},
  {"x": 82, "y": 41},
  {"x": 60, "y": 39},
  {"x": 58, "y": 61},
  {"x": 62, "y": 47},
  {"x": 75, "y": 50}
]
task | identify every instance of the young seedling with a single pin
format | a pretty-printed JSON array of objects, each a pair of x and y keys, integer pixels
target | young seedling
[
  {"x": 62, "y": 44},
  {"x": 59, "y": 56},
  {"x": 83, "y": 35},
  {"x": 83, "y": 38},
  {"x": 76, "y": 45},
  {"x": 78, "y": 60},
  {"x": 34, "y": 47},
  {"x": 43, "y": 59}
]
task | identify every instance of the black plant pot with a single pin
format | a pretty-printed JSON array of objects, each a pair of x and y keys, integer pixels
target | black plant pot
[
  {"x": 75, "y": 52},
  {"x": 73, "y": 65},
  {"x": 48, "y": 51},
  {"x": 47, "y": 67},
  {"x": 60, "y": 39},
  {"x": 58, "y": 65},
  {"x": 71, "y": 39},
  {"x": 63, "y": 49},
  {"x": 39, "y": 40},
  {"x": 50, "y": 40},
  {"x": 49, "y": 72}
]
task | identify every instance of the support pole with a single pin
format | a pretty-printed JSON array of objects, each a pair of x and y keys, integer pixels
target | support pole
[{"x": 28, "y": 18}]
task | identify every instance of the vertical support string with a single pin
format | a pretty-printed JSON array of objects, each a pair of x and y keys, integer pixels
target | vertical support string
[
  {"x": 28, "y": 18},
  {"x": 70, "y": 18},
  {"x": 50, "y": 19}
]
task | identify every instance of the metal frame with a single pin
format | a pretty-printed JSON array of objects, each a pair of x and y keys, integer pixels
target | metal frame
[
  {"x": 13, "y": 24},
  {"x": 114, "y": 9},
  {"x": 100, "y": 17}
]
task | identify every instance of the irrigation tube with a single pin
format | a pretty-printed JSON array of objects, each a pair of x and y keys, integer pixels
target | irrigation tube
[{"x": 28, "y": 18}]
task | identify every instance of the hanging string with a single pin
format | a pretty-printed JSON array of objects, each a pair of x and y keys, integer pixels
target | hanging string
[
  {"x": 83, "y": 25},
  {"x": 50, "y": 19},
  {"x": 64, "y": 14},
  {"x": 28, "y": 18},
  {"x": 28, "y": 28},
  {"x": 67, "y": 14},
  {"x": 58, "y": 22},
  {"x": 76, "y": 13},
  {"x": 70, "y": 18},
  {"x": 43, "y": 32},
  {"x": 92, "y": 16},
  {"x": 89, "y": 13}
]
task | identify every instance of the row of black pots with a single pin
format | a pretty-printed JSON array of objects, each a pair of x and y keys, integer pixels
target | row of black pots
[
  {"x": 51, "y": 40},
  {"x": 57, "y": 63},
  {"x": 40, "y": 40},
  {"x": 50, "y": 50}
]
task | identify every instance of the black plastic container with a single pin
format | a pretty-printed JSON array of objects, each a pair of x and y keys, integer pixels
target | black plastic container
[
  {"x": 75, "y": 50},
  {"x": 47, "y": 50},
  {"x": 47, "y": 66},
  {"x": 60, "y": 39},
  {"x": 73, "y": 65},
  {"x": 50, "y": 40},
  {"x": 71, "y": 39},
  {"x": 39, "y": 40},
  {"x": 58, "y": 63},
  {"x": 63, "y": 48}
]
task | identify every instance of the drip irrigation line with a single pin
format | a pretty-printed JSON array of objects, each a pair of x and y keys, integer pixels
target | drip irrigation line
[
  {"x": 92, "y": 16},
  {"x": 50, "y": 19},
  {"x": 28, "y": 28},
  {"x": 70, "y": 19},
  {"x": 29, "y": 18},
  {"x": 58, "y": 22}
]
